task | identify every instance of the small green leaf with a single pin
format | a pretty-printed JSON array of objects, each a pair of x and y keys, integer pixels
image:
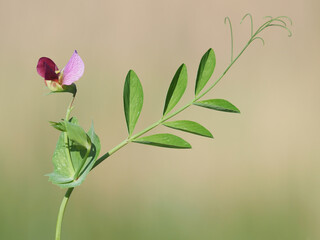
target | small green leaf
[
  {"x": 77, "y": 134},
  {"x": 190, "y": 127},
  {"x": 77, "y": 155},
  {"x": 218, "y": 104},
  {"x": 58, "y": 179},
  {"x": 205, "y": 70},
  {"x": 76, "y": 151},
  {"x": 58, "y": 125},
  {"x": 90, "y": 161},
  {"x": 74, "y": 120},
  {"x": 64, "y": 174},
  {"x": 63, "y": 168},
  {"x": 164, "y": 140},
  {"x": 177, "y": 87},
  {"x": 132, "y": 99}
]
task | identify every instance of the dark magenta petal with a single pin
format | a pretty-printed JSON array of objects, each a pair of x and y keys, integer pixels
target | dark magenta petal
[
  {"x": 50, "y": 74},
  {"x": 47, "y": 69}
]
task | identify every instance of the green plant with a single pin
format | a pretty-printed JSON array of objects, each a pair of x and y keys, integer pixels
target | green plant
[{"x": 77, "y": 151}]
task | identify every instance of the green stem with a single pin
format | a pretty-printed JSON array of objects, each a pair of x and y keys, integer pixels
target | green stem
[
  {"x": 69, "y": 191},
  {"x": 61, "y": 212},
  {"x": 65, "y": 135}
]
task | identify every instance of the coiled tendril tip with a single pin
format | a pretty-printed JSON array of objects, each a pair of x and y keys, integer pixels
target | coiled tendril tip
[
  {"x": 251, "y": 20},
  {"x": 231, "y": 34}
]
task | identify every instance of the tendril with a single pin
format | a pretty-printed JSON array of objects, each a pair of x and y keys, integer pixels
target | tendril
[
  {"x": 285, "y": 17},
  {"x": 284, "y": 27},
  {"x": 281, "y": 21},
  {"x": 231, "y": 34},
  {"x": 263, "y": 26},
  {"x": 251, "y": 19},
  {"x": 260, "y": 38},
  {"x": 278, "y": 22}
]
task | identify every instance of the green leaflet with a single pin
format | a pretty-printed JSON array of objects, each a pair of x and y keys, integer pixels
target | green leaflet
[
  {"x": 219, "y": 105},
  {"x": 205, "y": 70},
  {"x": 63, "y": 168},
  {"x": 77, "y": 134},
  {"x": 132, "y": 100},
  {"x": 177, "y": 87},
  {"x": 57, "y": 179},
  {"x": 65, "y": 172},
  {"x": 164, "y": 140},
  {"x": 58, "y": 125},
  {"x": 89, "y": 162},
  {"x": 190, "y": 127}
]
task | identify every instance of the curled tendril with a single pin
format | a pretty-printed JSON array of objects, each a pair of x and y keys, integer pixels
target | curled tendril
[
  {"x": 280, "y": 21},
  {"x": 285, "y": 17},
  {"x": 231, "y": 35},
  {"x": 277, "y": 22},
  {"x": 260, "y": 38},
  {"x": 279, "y": 25},
  {"x": 251, "y": 19}
]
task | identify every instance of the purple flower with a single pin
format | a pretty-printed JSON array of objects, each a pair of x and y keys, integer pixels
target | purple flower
[{"x": 58, "y": 81}]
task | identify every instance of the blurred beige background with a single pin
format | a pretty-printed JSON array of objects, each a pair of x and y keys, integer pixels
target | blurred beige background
[{"x": 257, "y": 180}]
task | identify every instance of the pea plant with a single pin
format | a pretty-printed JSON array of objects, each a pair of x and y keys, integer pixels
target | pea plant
[{"x": 77, "y": 151}]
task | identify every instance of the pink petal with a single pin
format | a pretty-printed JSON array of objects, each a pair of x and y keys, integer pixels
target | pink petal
[
  {"x": 73, "y": 70},
  {"x": 47, "y": 69}
]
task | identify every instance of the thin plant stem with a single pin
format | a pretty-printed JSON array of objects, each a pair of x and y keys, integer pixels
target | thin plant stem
[
  {"x": 61, "y": 213},
  {"x": 69, "y": 191},
  {"x": 65, "y": 135}
]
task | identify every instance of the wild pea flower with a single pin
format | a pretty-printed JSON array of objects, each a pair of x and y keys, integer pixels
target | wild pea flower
[{"x": 61, "y": 81}]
